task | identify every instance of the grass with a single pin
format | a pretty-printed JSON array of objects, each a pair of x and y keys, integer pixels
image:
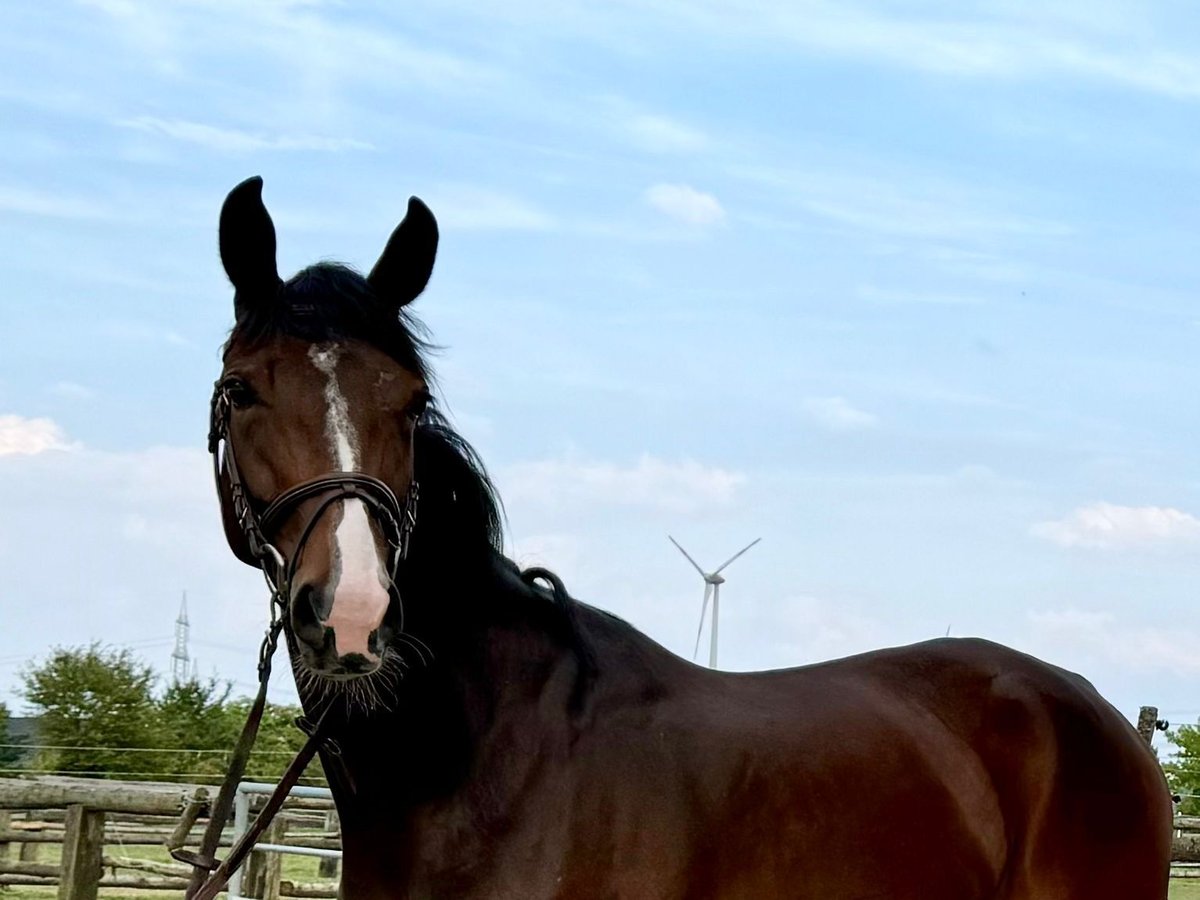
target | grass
[
  {"x": 295, "y": 868},
  {"x": 304, "y": 869}
]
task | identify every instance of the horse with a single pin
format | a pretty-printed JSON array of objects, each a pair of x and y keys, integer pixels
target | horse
[{"x": 494, "y": 737}]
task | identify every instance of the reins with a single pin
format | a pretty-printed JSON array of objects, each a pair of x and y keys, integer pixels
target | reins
[{"x": 210, "y": 875}]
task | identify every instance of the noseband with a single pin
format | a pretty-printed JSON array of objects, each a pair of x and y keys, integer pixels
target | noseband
[{"x": 251, "y": 540}]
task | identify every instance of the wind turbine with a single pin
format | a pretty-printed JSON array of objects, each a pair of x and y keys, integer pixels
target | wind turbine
[{"x": 712, "y": 589}]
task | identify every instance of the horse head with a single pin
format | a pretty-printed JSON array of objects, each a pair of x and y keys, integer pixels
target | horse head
[{"x": 314, "y": 417}]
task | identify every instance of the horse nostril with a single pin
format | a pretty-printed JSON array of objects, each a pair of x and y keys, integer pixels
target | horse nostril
[{"x": 309, "y": 610}]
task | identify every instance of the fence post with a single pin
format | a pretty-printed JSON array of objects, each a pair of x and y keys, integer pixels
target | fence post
[
  {"x": 273, "y": 868},
  {"x": 5, "y": 825},
  {"x": 1147, "y": 716},
  {"x": 328, "y": 866},
  {"x": 82, "y": 853},
  {"x": 29, "y": 851},
  {"x": 241, "y": 822}
]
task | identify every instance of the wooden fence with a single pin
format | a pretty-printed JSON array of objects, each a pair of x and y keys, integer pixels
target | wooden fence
[
  {"x": 85, "y": 816},
  {"x": 90, "y": 819}
]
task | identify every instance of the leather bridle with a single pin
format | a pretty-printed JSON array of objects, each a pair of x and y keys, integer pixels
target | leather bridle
[{"x": 250, "y": 537}]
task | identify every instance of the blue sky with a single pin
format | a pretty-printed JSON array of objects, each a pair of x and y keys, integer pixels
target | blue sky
[{"x": 907, "y": 289}]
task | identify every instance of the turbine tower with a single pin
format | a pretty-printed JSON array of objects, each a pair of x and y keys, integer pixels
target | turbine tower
[{"x": 712, "y": 589}]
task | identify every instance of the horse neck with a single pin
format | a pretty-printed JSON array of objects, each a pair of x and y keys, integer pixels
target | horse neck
[{"x": 503, "y": 675}]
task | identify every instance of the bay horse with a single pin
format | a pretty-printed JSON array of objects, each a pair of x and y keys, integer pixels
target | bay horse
[{"x": 497, "y": 738}]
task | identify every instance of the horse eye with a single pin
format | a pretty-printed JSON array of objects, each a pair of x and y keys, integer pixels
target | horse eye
[
  {"x": 418, "y": 404},
  {"x": 240, "y": 393}
]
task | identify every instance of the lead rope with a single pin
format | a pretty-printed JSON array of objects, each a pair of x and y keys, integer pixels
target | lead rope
[
  {"x": 204, "y": 859},
  {"x": 207, "y": 888},
  {"x": 203, "y": 885}
]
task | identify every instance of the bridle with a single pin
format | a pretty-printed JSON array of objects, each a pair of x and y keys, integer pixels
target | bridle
[{"x": 250, "y": 537}]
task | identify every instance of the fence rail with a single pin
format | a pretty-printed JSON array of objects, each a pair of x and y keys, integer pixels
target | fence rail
[{"x": 84, "y": 815}]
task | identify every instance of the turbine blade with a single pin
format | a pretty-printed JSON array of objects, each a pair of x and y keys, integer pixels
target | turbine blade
[
  {"x": 703, "y": 574},
  {"x": 703, "y": 609},
  {"x": 739, "y": 553}
]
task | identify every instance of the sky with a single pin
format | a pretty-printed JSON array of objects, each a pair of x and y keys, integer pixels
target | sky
[{"x": 908, "y": 290}]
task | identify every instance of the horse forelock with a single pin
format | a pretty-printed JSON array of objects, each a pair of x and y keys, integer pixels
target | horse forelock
[{"x": 332, "y": 302}]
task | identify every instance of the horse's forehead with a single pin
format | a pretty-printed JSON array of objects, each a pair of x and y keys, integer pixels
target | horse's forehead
[{"x": 294, "y": 362}]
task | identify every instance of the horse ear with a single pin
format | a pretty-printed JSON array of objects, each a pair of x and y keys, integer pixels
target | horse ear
[
  {"x": 247, "y": 238},
  {"x": 404, "y": 267}
]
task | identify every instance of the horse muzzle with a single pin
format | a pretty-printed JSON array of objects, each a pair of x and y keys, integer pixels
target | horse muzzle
[{"x": 340, "y": 634}]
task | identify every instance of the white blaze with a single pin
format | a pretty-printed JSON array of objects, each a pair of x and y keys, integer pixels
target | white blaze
[{"x": 360, "y": 594}]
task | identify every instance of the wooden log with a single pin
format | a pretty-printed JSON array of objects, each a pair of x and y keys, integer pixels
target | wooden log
[
  {"x": 178, "y": 837},
  {"x": 273, "y": 870},
  {"x": 328, "y": 866},
  {"x": 145, "y": 883},
  {"x": 1187, "y": 823},
  {"x": 316, "y": 889},
  {"x": 15, "y": 879},
  {"x": 1185, "y": 848},
  {"x": 29, "y": 852},
  {"x": 171, "y": 870},
  {"x": 83, "y": 847},
  {"x": 35, "y": 825},
  {"x": 252, "y": 879},
  {"x": 5, "y": 823},
  {"x": 41, "y": 870},
  {"x": 157, "y": 820},
  {"x": 111, "y": 796},
  {"x": 136, "y": 839},
  {"x": 134, "y": 882}
]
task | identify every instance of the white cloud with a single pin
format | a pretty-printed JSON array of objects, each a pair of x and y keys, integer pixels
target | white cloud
[
  {"x": 562, "y": 553},
  {"x": 1014, "y": 41},
  {"x": 682, "y": 487},
  {"x": 897, "y": 201},
  {"x": 28, "y": 202},
  {"x": 28, "y": 437},
  {"x": 1107, "y": 526},
  {"x": 660, "y": 134},
  {"x": 810, "y": 629},
  {"x": 685, "y": 203},
  {"x": 837, "y": 414},
  {"x": 72, "y": 390},
  {"x": 232, "y": 140},
  {"x": 98, "y": 545},
  {"x": 1102, "y": 634},
  {"x": 471, "y": 208}
]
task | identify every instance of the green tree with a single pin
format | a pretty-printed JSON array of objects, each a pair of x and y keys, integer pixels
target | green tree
[
  {"x": 1183, "y": 768},
  {"x": 91, "y": 699},
  {"x": 193, "y": 724},
  {"x": 10, "y": 755},
  {"x": 278, "y": 739},
  {"x": 100, "y": 716}
]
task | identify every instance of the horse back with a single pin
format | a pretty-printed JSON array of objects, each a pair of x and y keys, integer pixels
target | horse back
[
  {"x": 1054, "y": 792},
  {"x": 961, "y": 768}
]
